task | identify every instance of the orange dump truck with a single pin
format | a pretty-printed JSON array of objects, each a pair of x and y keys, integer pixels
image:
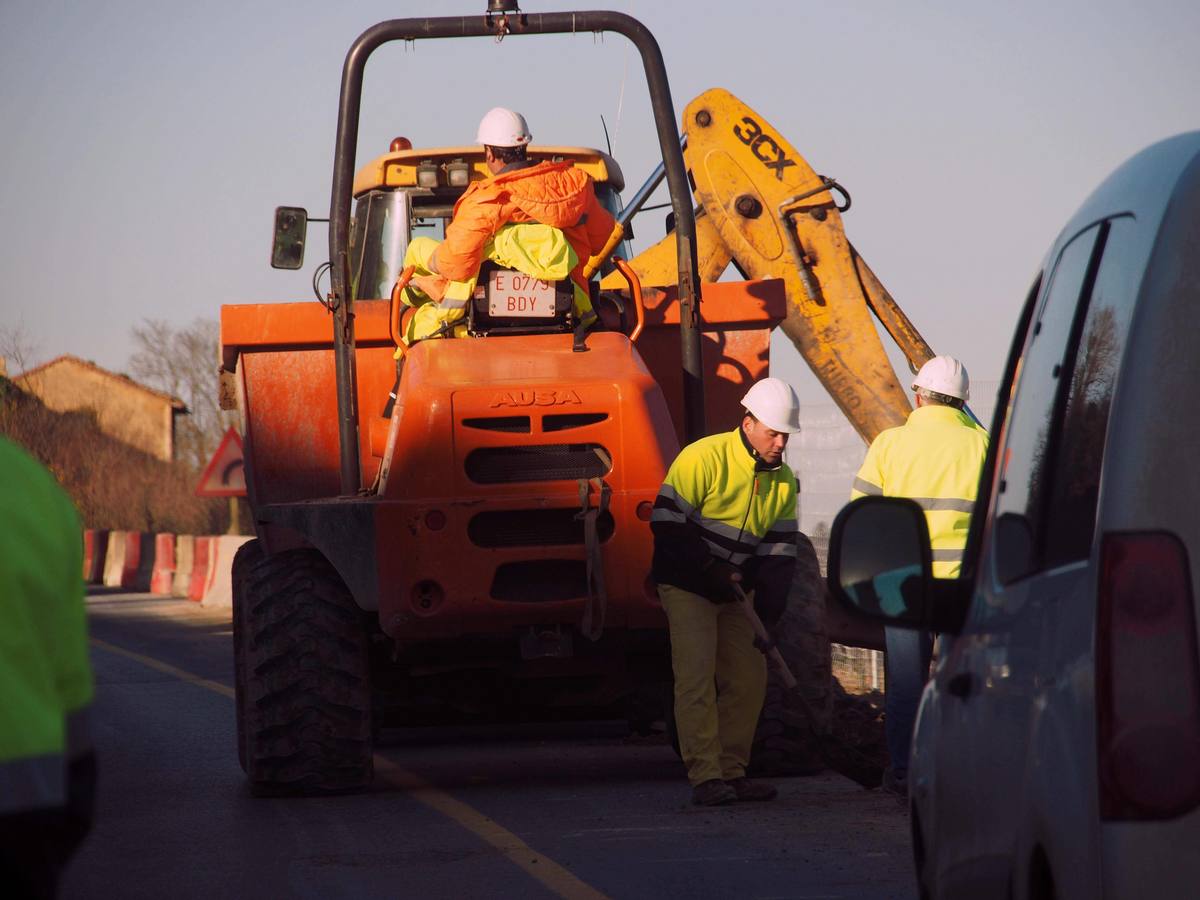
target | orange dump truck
[{"x": 463, "y": 531}]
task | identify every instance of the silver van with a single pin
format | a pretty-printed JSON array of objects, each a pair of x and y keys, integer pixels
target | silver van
[{"x": 1057, "y": 748}]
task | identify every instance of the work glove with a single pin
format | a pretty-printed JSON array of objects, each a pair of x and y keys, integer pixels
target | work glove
[
  {"x": 432, "y": 286},
  {"x": 721, "y": 575}
]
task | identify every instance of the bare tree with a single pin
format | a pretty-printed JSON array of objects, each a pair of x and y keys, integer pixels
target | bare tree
[
  {"x": 17, "y": 351},
  {"x": 183, "y": 362}
]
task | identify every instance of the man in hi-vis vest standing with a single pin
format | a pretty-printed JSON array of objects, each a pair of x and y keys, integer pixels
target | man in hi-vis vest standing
[
  {"x": 934, "y": 458},
  {"x": 725, "y": 518}
]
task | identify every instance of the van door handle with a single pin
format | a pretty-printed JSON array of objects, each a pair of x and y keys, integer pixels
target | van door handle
[{"x": 961, "y": 685}]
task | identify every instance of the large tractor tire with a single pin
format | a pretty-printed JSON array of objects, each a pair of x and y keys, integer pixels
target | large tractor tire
[
  {"x": 248, "y": 556},
  {"x": 784, "y": 743},
  {"x": 302, "y": 678}
]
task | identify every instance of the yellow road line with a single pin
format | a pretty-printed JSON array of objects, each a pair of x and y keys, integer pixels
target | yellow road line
[
  {"x": 559, "y": 880},
  {"x": 166, "y": 668},
  {"x": 545, "y": 870}
]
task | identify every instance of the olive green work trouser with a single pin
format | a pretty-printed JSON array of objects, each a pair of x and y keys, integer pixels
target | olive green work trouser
[{"x": 720, "y": 683}]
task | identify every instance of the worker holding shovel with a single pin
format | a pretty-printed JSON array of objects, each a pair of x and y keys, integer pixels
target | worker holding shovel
[{"x": 724, "y": 522}]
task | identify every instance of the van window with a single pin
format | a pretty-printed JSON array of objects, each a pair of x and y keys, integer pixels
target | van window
[
  {"x": 1024, "y": 484},
  {"x": 1075, "y": 484}
]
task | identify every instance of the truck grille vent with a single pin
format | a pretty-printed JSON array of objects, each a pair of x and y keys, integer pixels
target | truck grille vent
[
  {"x": 540, "y": 581},
  {"x": 533, "y": 528},
  {"x": 513, "y": 424},
  {"x": 563, "y": 421},
  {"x": 543, "y": 462}
]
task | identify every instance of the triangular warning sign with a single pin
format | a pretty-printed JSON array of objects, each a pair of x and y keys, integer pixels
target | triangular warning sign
[{"x": 225, "y": 474}]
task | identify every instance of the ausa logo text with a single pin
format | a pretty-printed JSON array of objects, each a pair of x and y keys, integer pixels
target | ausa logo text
[{"x": 556, "y": 397}]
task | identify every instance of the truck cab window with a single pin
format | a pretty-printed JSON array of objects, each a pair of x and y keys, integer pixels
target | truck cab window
[
  {"x": 611, "y": 201},
  {"x": 379, "y": 235}
]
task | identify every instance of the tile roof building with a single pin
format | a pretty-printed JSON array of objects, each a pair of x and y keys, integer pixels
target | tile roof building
[{"x": 125, "y": 410}]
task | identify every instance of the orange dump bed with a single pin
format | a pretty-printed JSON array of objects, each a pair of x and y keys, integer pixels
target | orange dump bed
[{"x": 477, "y": 528}]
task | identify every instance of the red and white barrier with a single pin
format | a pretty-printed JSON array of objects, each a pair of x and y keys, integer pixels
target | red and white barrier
[
  {"x": 196, "y": 567},
  {"x": 114, "y": 558},
  {"x": 163, "y": 574},
  {"x": 219, "y": 590},
  {"x": 185, "y": 547},
  {"x": 95, "y": 549},
  {"x": 139, "y": 561},
  {"x": 132, "y": 559},
  {"x": 201, "y": 562}
]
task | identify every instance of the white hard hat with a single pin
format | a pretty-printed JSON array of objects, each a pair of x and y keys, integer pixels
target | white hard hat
[
  {"x": 503, "y": 128},
  {"x": 945, "y": 375},
  {"x": 775, "y": 404}
]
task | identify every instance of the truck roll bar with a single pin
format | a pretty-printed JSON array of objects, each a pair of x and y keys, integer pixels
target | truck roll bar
[{"x": 504, "y": 22}]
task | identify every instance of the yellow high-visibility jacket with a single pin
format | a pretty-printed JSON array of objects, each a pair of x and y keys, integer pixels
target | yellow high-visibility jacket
[
  {"x": 934, "y": 458},
  {"x": 46, "y": 683},
  {"x": 537, "y": 250},
  {"x": 555, "y": 194},
  {"x": 719, "y": 502}
]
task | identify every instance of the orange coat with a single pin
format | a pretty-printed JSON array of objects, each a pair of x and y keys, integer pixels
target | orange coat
[{"x": 555, "y": 194}]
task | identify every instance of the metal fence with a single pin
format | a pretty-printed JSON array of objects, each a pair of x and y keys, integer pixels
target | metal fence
[{"x": 857, "y": 669}]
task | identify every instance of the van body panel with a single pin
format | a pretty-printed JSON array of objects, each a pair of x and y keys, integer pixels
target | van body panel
[{"x": 1004, "y": 770}]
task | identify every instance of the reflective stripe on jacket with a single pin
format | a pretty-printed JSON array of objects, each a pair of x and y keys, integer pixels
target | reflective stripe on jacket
[
  {"x": 717, "y": 503},
  {"x": 555, "y": 194},
  {"x": 934, "y": 458},
  {"x": 45, "y": 674}
]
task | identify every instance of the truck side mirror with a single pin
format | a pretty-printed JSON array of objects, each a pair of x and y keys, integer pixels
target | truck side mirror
[
  {"x": 880, "y": 564},
  {"x": 291, "y": 225}
]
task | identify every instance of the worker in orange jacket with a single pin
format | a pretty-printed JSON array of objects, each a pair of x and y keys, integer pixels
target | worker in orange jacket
[{"x": 520, "y": 192}]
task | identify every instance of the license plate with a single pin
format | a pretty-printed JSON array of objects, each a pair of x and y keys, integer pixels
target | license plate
[{"x": 517, "y": 294}]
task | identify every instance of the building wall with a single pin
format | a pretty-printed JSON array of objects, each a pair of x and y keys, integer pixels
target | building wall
[{"x": 123, "y": 409}]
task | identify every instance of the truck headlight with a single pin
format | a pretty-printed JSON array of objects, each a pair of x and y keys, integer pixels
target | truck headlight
[
  {"x": 427, "y": 175},
  {"x": 458, "y": 174}
]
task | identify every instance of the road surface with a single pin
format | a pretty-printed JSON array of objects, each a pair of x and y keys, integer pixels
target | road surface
[{"x": 579, "y": 810}]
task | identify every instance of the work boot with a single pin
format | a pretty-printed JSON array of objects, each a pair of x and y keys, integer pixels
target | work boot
[
  {"x": 745, "y": 789},
  {"x": 713, "y": 792}
]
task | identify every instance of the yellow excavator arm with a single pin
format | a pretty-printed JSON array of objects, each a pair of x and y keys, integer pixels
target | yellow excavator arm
[{"x": 764, "y": 208}]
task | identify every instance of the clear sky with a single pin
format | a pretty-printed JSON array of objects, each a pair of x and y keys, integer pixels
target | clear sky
[{"x": 146, "y": 144}]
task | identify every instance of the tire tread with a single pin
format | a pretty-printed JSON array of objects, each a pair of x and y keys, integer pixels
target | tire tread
[{"x": 304, "y": 687}]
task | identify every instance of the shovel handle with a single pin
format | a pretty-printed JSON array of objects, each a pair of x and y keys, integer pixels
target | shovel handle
[
  {"x": 764, "y": 638},
  {"x": 851, "y": 762}
]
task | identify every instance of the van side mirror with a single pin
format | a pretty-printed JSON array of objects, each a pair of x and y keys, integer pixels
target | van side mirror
[
  {"x": 291, "y": 226},
  {"x": 880, "y": 563}
]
